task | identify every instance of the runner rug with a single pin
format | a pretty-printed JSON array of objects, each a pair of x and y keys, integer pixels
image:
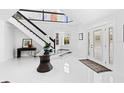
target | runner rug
[{"x": 94, "y": 66}]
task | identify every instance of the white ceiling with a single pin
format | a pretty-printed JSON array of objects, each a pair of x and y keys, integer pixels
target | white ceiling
[{"x": 85, "y": 16}]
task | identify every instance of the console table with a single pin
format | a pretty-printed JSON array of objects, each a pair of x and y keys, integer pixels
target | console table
[{"x": 19, "y": 50}]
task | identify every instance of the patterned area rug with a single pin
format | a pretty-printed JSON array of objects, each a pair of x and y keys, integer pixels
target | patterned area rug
[{"x": 94, "y": 66}]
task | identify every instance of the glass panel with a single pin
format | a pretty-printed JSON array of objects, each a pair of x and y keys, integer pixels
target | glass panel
[
  {"x": 30, "y": 15},
  {"x": 49, "y": 15},
  {"x": 97, "y": 45},
  {"x": 55, "y": 17},
  {"x": 61, "y": 18},
  {"x": 110, "y": 45}
]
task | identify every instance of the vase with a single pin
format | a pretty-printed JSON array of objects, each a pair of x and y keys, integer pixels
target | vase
[{"x": 45, "y": 65}]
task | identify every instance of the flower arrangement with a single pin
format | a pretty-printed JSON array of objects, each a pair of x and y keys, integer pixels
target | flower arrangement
[{"x": 47, "y": 49}]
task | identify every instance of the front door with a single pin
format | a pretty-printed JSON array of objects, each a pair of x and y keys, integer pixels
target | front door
[
  {"x": 97, "y": 44},
  {"x": 100, "y": 44}
]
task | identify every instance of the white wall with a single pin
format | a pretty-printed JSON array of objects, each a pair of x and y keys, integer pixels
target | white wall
[
  {"x": 6, "y": 41},
  {"x": 117, "y": 22},
  {"x": 54, "y": 27},
  {"x": 11, "y": 39},
  {"x": 78, "y": 47},
  {"x": 119, "y": 48},
  {"x": 1, "y": 41},
  {"x": 19, "y": 36},
  {"x": 73, "y": 29}
]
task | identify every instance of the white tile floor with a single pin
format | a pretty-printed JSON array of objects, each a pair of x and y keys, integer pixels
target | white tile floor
[{"x": 65, "y": 69}]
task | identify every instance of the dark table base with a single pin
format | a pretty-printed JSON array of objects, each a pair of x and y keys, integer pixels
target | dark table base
[{"x": 45, "y": 64}]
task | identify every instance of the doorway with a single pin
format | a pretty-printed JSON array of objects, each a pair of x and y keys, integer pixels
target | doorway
[{"x": 100, "y": 44}]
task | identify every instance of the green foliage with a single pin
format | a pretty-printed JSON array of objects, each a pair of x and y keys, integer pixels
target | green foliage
[
  {"x": 47, "y": 49},
  {"x": 47, "y": 45}
]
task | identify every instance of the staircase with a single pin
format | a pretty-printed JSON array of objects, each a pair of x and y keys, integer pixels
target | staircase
[
  {"x": 30, "y": 29},
  {"x": 23, "y": 20}
]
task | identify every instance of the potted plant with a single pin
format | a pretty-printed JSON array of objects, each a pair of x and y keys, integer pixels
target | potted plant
[
  {"x": 45, "y": 64},
  {"x": 47, "y": 49}
]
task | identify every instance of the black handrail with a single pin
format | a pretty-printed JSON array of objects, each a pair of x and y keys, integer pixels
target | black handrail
[
  {"x": 43, "y": 12},
  {"x": 31, "y": 23},
  {"x": 54, "y": 45},
  {"x": 37, "y": 11},
  {"x": 34, "y": 25},
  {"x": 34, "y": 32}
]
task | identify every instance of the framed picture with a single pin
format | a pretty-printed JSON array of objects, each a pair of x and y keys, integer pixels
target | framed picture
[
  {"x": 57, "y": 38},
  {"x": 66, "y": 40},
  {"x": 80, "y": 36},
  {"x": 27, "y": 43}
]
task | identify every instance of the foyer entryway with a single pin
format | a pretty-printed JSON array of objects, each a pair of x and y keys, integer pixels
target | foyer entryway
[{"x": 100, "y": 44}]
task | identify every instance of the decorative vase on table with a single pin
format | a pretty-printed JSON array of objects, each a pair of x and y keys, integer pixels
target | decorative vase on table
[{"x": 45, "y": 64}]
